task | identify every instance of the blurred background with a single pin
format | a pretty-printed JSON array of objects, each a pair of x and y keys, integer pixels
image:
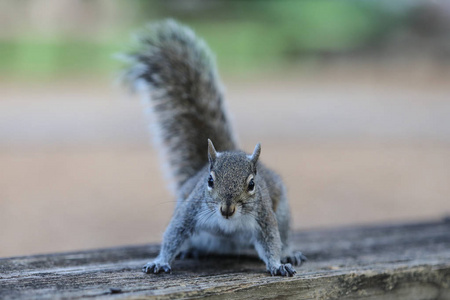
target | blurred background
[{"x": 350, "y": 100}]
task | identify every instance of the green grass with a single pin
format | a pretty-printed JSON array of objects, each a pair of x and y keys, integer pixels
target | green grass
[
  {"x": 253, "y": 36},
  {"x": 48, "y": 59}
]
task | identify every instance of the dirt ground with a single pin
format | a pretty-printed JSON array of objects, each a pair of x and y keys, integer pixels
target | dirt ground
[{"x": 78, "y": 171}]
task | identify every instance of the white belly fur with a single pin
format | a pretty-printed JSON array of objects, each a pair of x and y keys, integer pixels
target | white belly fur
[
  {"x": 211, "y": 243},
  {"x": 221, "y": 236}
]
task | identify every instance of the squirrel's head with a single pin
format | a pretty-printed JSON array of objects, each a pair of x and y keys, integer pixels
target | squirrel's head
[{"x": 232, "y": 182}]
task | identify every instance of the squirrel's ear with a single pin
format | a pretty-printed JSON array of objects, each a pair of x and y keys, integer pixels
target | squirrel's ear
[
  {"x": 212, "y": 154},
  {"x": 254, "y": 157}
]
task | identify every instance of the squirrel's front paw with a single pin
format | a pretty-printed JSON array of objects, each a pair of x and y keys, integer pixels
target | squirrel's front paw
[
  {"x": 156, "y": 267},
  {"x": 295, "y": 258},
  {"x": 283, "y": 270}
]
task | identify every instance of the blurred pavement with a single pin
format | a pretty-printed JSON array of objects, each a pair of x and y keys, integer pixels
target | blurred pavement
[{"x": 355, "y": 146}]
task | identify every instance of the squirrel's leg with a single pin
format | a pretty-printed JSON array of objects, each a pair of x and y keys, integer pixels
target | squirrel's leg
[
  {"x": 176, "y": 234},
  {"x": 268, "y": 245},
  {"x": 288, "y": 255}
]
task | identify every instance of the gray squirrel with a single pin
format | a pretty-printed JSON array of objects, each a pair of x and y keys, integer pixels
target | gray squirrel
[{"x": 227, "y": 201}]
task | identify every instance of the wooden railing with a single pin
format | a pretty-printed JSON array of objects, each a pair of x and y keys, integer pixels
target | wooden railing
[{"x": 406, "y": 261}]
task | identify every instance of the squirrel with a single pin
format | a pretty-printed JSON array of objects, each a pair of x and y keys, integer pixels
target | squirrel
[{"x": 227, "y": 201}]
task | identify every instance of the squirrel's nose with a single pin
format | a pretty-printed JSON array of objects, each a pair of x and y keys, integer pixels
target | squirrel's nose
[{"x": 227, "y": 210}]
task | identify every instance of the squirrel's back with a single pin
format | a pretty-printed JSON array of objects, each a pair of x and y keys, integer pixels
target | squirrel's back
[{"x": 176, "y": 72}]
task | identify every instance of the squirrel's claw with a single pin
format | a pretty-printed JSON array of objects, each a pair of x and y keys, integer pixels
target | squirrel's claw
[
  {"x": 152, "y": 267},
  {"x": 283, "y": 270},
  {"x": 296, "y": 258}
]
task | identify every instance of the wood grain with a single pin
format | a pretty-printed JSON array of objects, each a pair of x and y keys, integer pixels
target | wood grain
[{"x": 405, "y": 261}]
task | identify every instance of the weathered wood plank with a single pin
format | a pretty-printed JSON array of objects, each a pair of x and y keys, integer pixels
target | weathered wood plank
[{"x": 409, "y": 261}]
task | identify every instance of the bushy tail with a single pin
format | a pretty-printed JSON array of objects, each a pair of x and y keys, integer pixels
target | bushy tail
[{"x": 176, "y": 72}]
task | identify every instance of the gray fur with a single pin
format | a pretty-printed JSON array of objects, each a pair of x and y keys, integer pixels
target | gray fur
[
  {"x": 255, "y": 155},
  {"x": 228, "y": 201},
  {"x": 185, "y": 94}
]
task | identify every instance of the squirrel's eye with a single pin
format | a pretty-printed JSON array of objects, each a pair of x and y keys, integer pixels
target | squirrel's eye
[
  {"x": 251, "y": 185},
  {"x": 210, "y": 181}
]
